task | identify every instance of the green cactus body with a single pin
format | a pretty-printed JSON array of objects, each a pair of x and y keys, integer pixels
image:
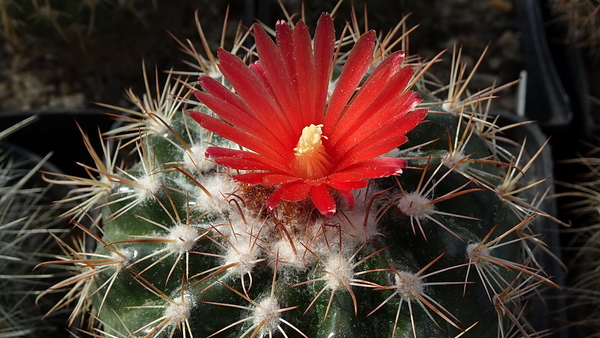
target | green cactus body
[
  {"x": 434, "y": 252},
  {"x": 181, "y": 265}
]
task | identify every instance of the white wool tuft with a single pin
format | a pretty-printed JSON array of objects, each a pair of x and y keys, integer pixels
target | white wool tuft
[{"x": 195, "y": 158}]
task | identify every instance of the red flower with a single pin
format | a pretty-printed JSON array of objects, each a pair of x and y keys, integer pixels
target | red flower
[{"x": 299, "y": 137}]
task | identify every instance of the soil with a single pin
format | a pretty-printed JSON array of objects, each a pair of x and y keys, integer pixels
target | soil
[{"x": 41, "y": 70}]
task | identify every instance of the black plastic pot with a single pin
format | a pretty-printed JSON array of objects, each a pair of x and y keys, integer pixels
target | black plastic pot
[
  {"x": 51, "y": 143},
  {"x": 28, "y": 215},
  {"x": 561, "y": 80},
  {"x": 546, "y": 98},
  {"x": 57, "y": 131},
  {"x": 546, "y": 310},
  {"x": 558, "y": 76}
]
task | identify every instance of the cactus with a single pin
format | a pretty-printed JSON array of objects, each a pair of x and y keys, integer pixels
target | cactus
[
  {"x": 581, "y": 19},
  {"x": 580, "y": 198},
  {"x": 243, "y": 225},
  {"x": 27, "y": 219}
]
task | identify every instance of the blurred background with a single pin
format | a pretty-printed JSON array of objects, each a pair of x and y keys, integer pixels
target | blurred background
[{"x": 68, "y": 54}]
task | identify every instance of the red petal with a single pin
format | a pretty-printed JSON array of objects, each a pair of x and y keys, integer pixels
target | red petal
[
  {"x": 345, "y": 176},
  {"x": 397, "y": 126},
  {"x": 371, "y": 150},
  {"x": 305, "y": 71},
  {"x": 295, "y": 191},
  {"x": 251, "y": 178},
  {"x": 220, "y": 153},
  {"x": 279, "y": 78},
  {"x": 354, "y": 70},
  {"x": 348, "y": 185},
  {"x": 276, "y": 179},
  {"x": 243, "y": 164},
  {"x": 283, "y": 35},
  {"x": 216, "y": 89},
  {"x": 361, "y": 106},
  {"x": 274, "y": 199},
  {"x": 348, "y": 197},
  {"x": 323, "y": 58},
  {"x": 241, "y": 120},
  {"x": 252, "y": 90},
  {"x": 382, "y": 140},
  {"x": 322, "y": 200},
  {"x": 233, "y": 134},
  {"x": 267, "y": 178},
  {"x": 259, "y": 70},
  {"x": 378, "y": 167},
  {"x": 227, "y": 111},
  {"x": 391, "y": 116}
]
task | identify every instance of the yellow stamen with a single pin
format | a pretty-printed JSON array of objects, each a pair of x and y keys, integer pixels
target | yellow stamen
[
  {"x": 310, "y": 140},
  {"x": 311, "y": 159}
]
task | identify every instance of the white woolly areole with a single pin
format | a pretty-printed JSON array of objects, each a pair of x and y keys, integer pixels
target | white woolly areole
[
  {"x": 143, "y": 189},
  {"x": 266, "y": 316},
  {"x": 358, "y": 225},
  {"x": 106, "y": 181},
  {"x": 339, "y": 270},
  {"x": 447, "y": 106},
  {"x": 407, "y": 284},
  {"x": 182, "y": 238},
  {"x": 156, "y": 125},
  {"x": 292, "y": 252},
  {"x": 290, "y": 247},
  {"x": 213, "y": 71},
  {"x": 415, "y": 205},
  {"x": 455, "y": 160},
  {"x": 242, "y": 254},
  {"x": 121, "y": 259},
  {"x": 149, "y": 184},
  {"x": 217, "y": 186},
  {"x": 475, "y": 253},
  {"x": 194, "y": 158},
  {"x": 179, "y": 310},
  {"x": 245, "y": 226}
]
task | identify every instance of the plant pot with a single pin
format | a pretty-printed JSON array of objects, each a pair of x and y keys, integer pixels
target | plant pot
[
  {"x": 547, "y": 308},
  {"x": 29, "y": 224},
  {"x": 30, "y": 220},
  {"x": 57, "y": 131}
]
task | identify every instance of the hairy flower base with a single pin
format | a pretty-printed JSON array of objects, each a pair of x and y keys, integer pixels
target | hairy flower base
[
  {"x": 254, "y": 197},
  {"x": 294, "y": 189}
]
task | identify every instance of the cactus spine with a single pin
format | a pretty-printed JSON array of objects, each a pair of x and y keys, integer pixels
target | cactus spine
[
  {"x": 580, "y": 198},
  {"x": 28, "y": 225},
  {"x": 186, "y": 249}
]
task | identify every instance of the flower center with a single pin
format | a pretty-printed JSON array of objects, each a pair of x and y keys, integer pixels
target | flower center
[{"x": 310, "y": 158}]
